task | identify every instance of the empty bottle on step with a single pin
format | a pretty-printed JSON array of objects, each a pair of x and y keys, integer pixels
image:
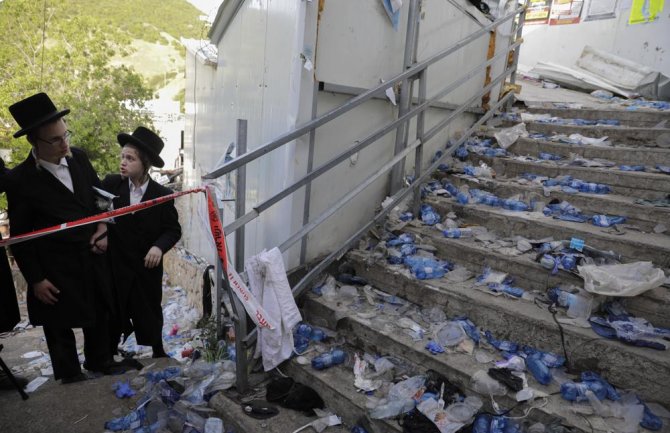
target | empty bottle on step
[
  {"x": 561, "y": 297},
  {"x": 576, "y": 391},
  {"x": 540, "y": 371},
  {"x": 457, "y": 233},
  {"x": 214, "y": 425},
  {"x": 462, "y": 198},
  {"x": 328, "y": 359},
  {"x": 516, "y": 205}
]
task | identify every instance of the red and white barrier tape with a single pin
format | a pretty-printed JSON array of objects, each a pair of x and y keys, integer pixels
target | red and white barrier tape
[
  {"x": 251, "y": 304},
  {"x": 95, "y": 218}
]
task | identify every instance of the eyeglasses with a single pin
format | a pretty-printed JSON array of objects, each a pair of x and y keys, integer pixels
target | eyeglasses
[{"x": 64, "y": 139}]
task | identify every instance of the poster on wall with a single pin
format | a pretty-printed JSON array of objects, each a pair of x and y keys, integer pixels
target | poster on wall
[
  {"x": 645, "y": 11},
  {"x": 565, "y": 12},
  {"x": 600, "y": 10},
  {"x": 538, "y": 12}
]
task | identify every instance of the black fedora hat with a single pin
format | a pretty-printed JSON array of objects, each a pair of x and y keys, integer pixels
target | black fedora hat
[
  {"x": 148, "y": 141},
  {"x": 33, "y": 112}
]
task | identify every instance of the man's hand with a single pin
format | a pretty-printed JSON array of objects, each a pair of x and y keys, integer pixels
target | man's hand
[
  {"x": 153, "y": 257},
  {"x": 98, "y": 241},
  {"x": 46, "y": 292}
]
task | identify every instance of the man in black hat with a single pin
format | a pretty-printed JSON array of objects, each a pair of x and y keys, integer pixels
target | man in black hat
[{"x": 66, "y": 271}]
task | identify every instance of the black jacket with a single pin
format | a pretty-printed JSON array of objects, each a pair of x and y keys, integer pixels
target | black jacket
[
  {"x": 131, "y": 237},
  {"x": 9, "y": 308},
  {"x": 38, "y": 200}
]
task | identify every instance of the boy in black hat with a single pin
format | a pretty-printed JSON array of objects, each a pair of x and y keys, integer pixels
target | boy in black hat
[
  {"x": 138, "y": 241},
  {"x": 66, "y": 271}
]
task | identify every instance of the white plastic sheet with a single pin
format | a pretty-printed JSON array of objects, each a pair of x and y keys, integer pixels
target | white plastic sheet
[
  {"x": 626, "y": 280},
  {"x": 508, "y": 136}
]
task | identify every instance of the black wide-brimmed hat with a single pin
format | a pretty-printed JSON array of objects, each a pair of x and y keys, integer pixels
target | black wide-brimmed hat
[
  {"x": 148, "y": 141},
  {"x": 34, "y": 112}
]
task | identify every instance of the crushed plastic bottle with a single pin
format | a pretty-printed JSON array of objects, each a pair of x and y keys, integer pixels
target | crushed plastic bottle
[
  {"x": 129, "y": 422},
  {"x": 505, "y": 346},
  {"x": 631, "y": 167},
  {"x": 329, "y": 359},
  {"x": 576, "y": 391},
  {"x": 515, "y": 292},
  {"x": 457, "y": 233},
  {"x": 549, "y": 359},
  {"x": 607, "y": 220},
  {"x": 429, "y": 216},
  {"x": 539, "y": 370},
  {"x": 515, "y": 205}
]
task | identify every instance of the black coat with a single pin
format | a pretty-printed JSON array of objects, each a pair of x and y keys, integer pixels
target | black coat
[
  {"x": 38, "y": 200},
  {"x": 130, "y": 238},
  {"x": 9, "y": 308}
]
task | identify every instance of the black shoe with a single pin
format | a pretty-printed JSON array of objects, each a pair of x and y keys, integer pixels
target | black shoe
[
  {"x": 159, "y": 352},
  {"x": 109, "y": 368},
  {"x": 132, "y": 363},
  {"x": 80, "y": 377}
]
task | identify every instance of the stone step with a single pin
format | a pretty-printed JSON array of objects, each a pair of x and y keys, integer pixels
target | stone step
[
  {"x": 631, "y": 136},
  {"x": 633, "y": 184},
  {"x": 643, "y": 216},
  {"x": 530, "y": 275},
  {"x": 648, "y": 157},
  {"x": 637, "y": 118},
  {"x": 234, "y": 418},
  {"x": 632, "y": 246},
  {"x": 335, "y": 385},
  {"x": 521, "y": 321},
  {"x": 457, "y": 367}
]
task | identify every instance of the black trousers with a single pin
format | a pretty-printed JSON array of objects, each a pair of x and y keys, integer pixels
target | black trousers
[{"x": 63, "y": 348}]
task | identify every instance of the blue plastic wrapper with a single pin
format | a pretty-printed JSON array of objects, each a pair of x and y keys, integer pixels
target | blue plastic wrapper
[
  {"x": 506, "y": 346},
  {"x": 168, "y": 373},
  {"x": 631, "y": 167},
  {"x": 123, "y": 389},
  {"x": 546, "y": 156},
  {"x": 429, "y": 216},
  {"x": 607, "y": 220},
  {"x": 434, "y": 347}
]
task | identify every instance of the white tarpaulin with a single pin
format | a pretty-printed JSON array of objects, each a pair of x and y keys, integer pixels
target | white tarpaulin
[{"x": 597, "y": 69}]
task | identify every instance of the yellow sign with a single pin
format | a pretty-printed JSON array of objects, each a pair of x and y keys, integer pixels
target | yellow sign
[{"x": 645, "y": 11}]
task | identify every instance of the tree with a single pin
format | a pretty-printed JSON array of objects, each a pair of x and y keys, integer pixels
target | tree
[{"x": 72, "y": 65}]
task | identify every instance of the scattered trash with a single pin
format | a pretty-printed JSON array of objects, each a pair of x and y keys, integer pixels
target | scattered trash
[
  {"x": 629, "y": 279},
  {"x": 36, "y": 383}
]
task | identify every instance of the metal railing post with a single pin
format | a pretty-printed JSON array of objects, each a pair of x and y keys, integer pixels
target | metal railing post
[
  {"x": 310, "y": 166},
  {"x": 420, "y": 125},
  {"x": 405, "y": 94},
  {"x": 218, "y": 269},
  {"x": 519, "y": 35},
  {"x": 240, "y": 194}
]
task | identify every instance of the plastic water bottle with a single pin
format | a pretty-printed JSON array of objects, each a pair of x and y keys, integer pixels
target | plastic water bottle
[
  {"x": 482, "y": 424},
  {"x": 457, "y": 233},
  {"x": 303, "y": 329},
  {"x": 451, "y": 189},
  {"x": 462, "y": 198},
  {"x": 540, "y": 371},
  {"x": 394, "y": 256},
  {"x": 631, "y": 167},
  {"x": 428, "y": 215},
  {"x": 407, "y": 249},
  {"x": 469, "y": 170},
  {"x": 317, "y": 335},
  {"x": 549, "y": 359},
  {"x": 568, "y": 262},
  {"x": 549, "y": 262},
  {"x": 214, "y": 425},
  {"x": 491, "y": 200},
  {"x": 561, "y": 297},
  {"x": 328, "y": 359},
  {"x": 405, "y": 238},
  {"x": 515, "y": 205},
  {"x": 576, "y": 391}
]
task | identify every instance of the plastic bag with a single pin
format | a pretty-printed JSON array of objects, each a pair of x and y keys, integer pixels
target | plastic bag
[
  {"x": 508, "y": 136},
  {"x": 629, "y": 279}
]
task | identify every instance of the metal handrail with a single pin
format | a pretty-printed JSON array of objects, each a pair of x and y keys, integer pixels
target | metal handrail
[
  {"x": 413, "y": 72},
  {"x": 354, "y": 102}
]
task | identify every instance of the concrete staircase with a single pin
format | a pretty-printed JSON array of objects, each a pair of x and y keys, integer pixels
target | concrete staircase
[{"x": 363, "y": 327}]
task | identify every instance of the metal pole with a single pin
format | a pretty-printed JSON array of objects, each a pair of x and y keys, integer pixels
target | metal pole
[
  {"x": 420, "y": 124},
  {"x": 240, "y": 194},
  {"x": 310, "y": 166},
  {"x": 515, "y": 61},
  {"x": 405, "y": 94}
]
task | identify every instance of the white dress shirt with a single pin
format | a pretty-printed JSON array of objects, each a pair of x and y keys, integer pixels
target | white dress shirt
[
  {"x": 136, "y": 193},
  {"x": 61, "y": 171}
]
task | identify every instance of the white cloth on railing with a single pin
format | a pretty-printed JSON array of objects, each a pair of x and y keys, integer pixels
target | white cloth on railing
[{"x": 268, "y": 282}]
